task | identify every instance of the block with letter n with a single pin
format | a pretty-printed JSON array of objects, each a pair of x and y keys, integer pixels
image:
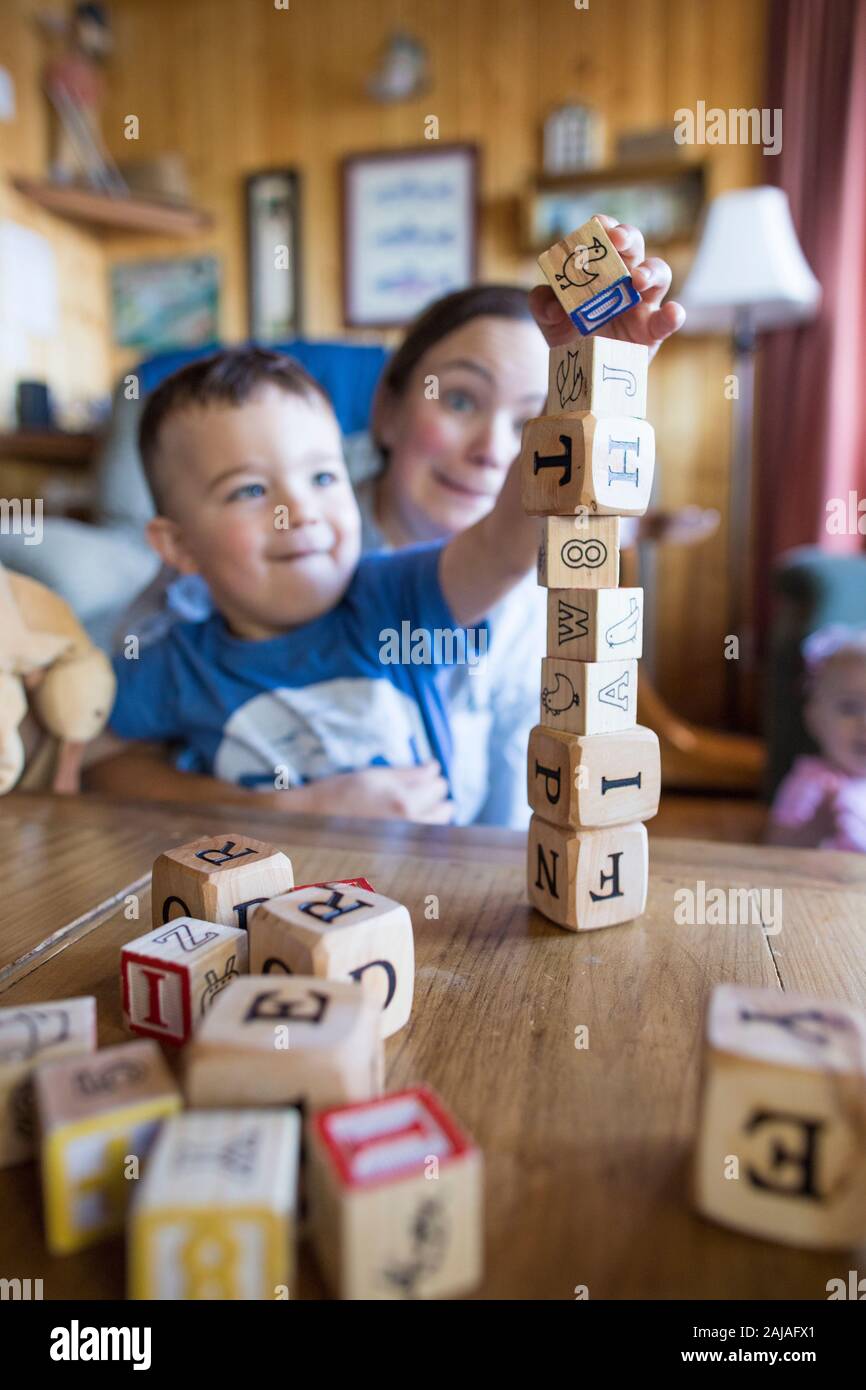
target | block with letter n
[
  {"x": 218, "y": 878},
  {"x": 589, "y": 878}
]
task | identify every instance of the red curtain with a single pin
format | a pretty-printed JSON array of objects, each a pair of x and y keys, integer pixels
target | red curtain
[{"x": 811, "y": 436}]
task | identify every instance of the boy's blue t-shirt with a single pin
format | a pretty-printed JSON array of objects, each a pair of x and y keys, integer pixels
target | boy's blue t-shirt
[{"x": 315, "y": 701}]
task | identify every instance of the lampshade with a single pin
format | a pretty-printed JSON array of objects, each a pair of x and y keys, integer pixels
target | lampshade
[{"x": 749, "y": 266}]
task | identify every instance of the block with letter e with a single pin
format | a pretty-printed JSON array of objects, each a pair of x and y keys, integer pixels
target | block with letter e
[
  {"x": 171, "y": 976},
  {"x": 335, "y": 931},
  {"x": 98, "y": 1117},
  {"x": 589, "y": 277},
  {"x": 589, "y": 878},
  {"x": 580, "y": 552},
  {"x": 31, "y": 1034},
  {"x": 588, "y": 697},
  {"x": 569, "y": 462},
  {"x": 595, "y": 624},
  {"x": 607, "y": 376},
  {"x": 215, "y": 1215},
  {"x": 586, "y": 780},
  {"x": 396, "y": 1199},
  {"x": 218, "y": 878},
  {"x": 780, "y": 1150}
]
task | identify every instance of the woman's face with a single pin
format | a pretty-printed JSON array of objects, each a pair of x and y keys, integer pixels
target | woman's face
[{"x": 455, "y": 430}]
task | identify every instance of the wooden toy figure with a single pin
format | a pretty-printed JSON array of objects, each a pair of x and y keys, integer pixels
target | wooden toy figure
[
  {"x": 44, "y": 651},
  {"x": 74, "y": 85}
]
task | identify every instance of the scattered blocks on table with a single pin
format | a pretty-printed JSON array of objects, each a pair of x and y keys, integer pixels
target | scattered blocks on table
[
  {"x": 595, "y": 624},
  {"x": 286, "y": 1040},
  {"x": 606, "y": 376},
  {"x": 571, "y": 463},
  {"x": 590, "y": 878},
  {"x": 396, "y": 1199},
  {"x": 593, "y": 780},
  {"x": 588, "y": 697},
  {"x": 215, "y": 1216},
  {"x": 589, "y": 277},
  {"x": 171, "y": 976},
  {"x": 780, "y": 1141},
  {"x": 98, "y": 1117},
  {"x": 336, "y": 932},
  {"x": 31, "y": 1034},
  {"x": 349, "y": 882},
  {"x": 580, "y": 552},
  {"x": 218, "y": 878}
]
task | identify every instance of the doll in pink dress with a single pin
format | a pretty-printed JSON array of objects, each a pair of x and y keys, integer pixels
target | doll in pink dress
[{"x": 821, "y": 804}]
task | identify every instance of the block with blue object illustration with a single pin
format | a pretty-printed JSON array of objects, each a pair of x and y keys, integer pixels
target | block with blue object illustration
[{"x": 589, "y": 277}]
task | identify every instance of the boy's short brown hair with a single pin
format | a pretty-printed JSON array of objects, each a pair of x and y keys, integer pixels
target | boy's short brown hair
[{"x": 231, "y": 376}]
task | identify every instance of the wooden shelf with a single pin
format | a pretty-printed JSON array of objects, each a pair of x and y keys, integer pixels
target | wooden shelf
[
  {"x": 47, "y": 446},
  {"x": 120, "y": 214}
]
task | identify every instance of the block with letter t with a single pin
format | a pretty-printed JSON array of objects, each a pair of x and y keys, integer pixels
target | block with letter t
[
  {"x": 338, "y": 932},
  {"x": 171, "y": 976},
  {"x": 218, "y": 878},
  {"x": 395, "y": 1199},
  {"x": 570, "y": 463},
  {"x": 589, "y": 878},
  {"x": 593, "y": 780},
  {"x": 780, "y": 1149},
  {"x": 589, "y": 277}
]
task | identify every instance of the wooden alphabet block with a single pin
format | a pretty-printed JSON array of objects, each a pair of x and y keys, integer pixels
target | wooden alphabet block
[
  {"x": 337, "y": 932},
  {"x": 351, "y": 882},
  {"x": 286, "y": 1040},
  {"x": 780, "y": 1138},
  {"x": 215, "y": 1215},
  {"x": 171, "y": 976},
  {"x": 218, "y": 878},
  {"x": 595, "y": 624},
  {"x": 607, "y": 376},
  {"x": 31, "y": 1034},
  {"x": 396, "y": 1199},
  {"x": 98, "y": 1117},
  {"x": 588, "y": 879},
  {"x": 573, "y": 463},
  {"x": 579, "y": 552},
  {"x": 589, "y": 277},
  {"x": 596, "y": 780},
  {"x": 588, "y": 697}
]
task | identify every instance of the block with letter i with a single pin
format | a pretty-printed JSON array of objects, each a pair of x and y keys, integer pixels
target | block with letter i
[
  {"x": 593, "y": 780},
  {"x": 589, "y": 277},
  {"x": 218, "y": 878},
  {"x": 215, "y": 1215},
  {"x": 780, "y": 1149},
  {"x": 31, "y": 1034},
  {"x": 98, "y": 1117},
  {"x": 396, "y": 1199},
  {"x": 171, "y": 976},
  {"x": 587, "y": 879}
]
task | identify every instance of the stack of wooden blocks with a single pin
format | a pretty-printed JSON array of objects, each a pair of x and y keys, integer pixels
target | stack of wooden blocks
[{"x": 593, "y": 773}]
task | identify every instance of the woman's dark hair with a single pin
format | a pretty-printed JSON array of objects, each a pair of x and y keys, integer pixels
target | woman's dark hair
[{"x": 445, "y": 316}]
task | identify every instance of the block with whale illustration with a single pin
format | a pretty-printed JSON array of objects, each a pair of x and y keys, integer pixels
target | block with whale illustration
[
  {"x": 593, "y": 780},
  {"x": 607, "y": 376},
  {"x": 588, "y": 697},
  {"x": 579, "y": 462},
  {"x": 589, "y": 277},
  {"x": 587, "y": 878},
  {"x": 595, "y": 624}
]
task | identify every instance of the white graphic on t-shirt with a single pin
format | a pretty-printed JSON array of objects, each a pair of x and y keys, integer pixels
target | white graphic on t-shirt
[{"x": 318, "y": 730}]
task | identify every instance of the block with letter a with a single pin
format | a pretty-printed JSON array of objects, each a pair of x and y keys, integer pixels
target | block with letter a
[
  {"x": 218, "y": 878},
  {"x": 340, "y": 933},
  {"x": 574, "y": 462},
  {"x": 171, "y": 976},
  {"x": 595, "y": 624},
  {"x": 780, "y": 1150},
  {"x": 607, "y": 376},
  {"x": 589, "y": 277},
  {"x": 593, "y": 780},
  {"x": 588, "y": 697},
  {"x": 580, "y": 552},
  {"x": 587, "y": 879},
  {"x": 215, "y": 1215},
  {"x": 396, "y": 1199}
]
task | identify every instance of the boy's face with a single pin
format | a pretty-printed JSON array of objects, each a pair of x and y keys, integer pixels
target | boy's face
[
  {"x": 836, "y": 714},
  {"x": 258, "y": 502}
]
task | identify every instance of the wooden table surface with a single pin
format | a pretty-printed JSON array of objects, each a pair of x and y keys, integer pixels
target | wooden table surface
[{"x": 586, "y": 1150}]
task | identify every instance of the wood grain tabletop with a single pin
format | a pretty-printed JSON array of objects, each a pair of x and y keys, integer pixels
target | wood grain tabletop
[{"x": 587, "y": 1149}]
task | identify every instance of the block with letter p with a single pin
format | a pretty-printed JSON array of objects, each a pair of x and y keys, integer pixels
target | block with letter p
[
  {"x": 218, "y": 878},
  {"x": 780, "y": 1139},
  {"x": 589, "y": 277},
  {"x": 569, "y": 462},
  {"x": 587, "y": 879},
  {"x": 335, "y": 931},
  {"x": 605, "y": 375},
  {"x": 588, "y": 697},
  {"x": 171, "y": 976},
  {"x": 593, "y": 780},
  {"x": 595, "y": 624}
]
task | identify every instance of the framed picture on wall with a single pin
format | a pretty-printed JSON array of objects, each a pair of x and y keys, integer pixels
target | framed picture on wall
[
  {"x": 173, "y": 303},
  {"x": 273, "y": 215},
  {"x": 410, "y": 230}
]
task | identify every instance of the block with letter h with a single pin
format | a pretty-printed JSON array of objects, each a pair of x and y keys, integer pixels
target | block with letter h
[
  {"x": 336, "y": 931},
  {"x": 589, "y": 277},
  {"x": 396, "y": 1199},
  {"x": 171, "y": 976},
  {"x": 593, "y": 781},
  {"x": 581, "y": 461},
  {"x": 780, "y": 1150},
  {"x": 215, "y": 1216},
  {"x": 218, "y": 878},
  {"x": 587, "y": 879}
]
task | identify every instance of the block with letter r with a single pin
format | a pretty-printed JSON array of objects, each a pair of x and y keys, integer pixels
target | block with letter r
[{"x": 218, "y": 878}]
